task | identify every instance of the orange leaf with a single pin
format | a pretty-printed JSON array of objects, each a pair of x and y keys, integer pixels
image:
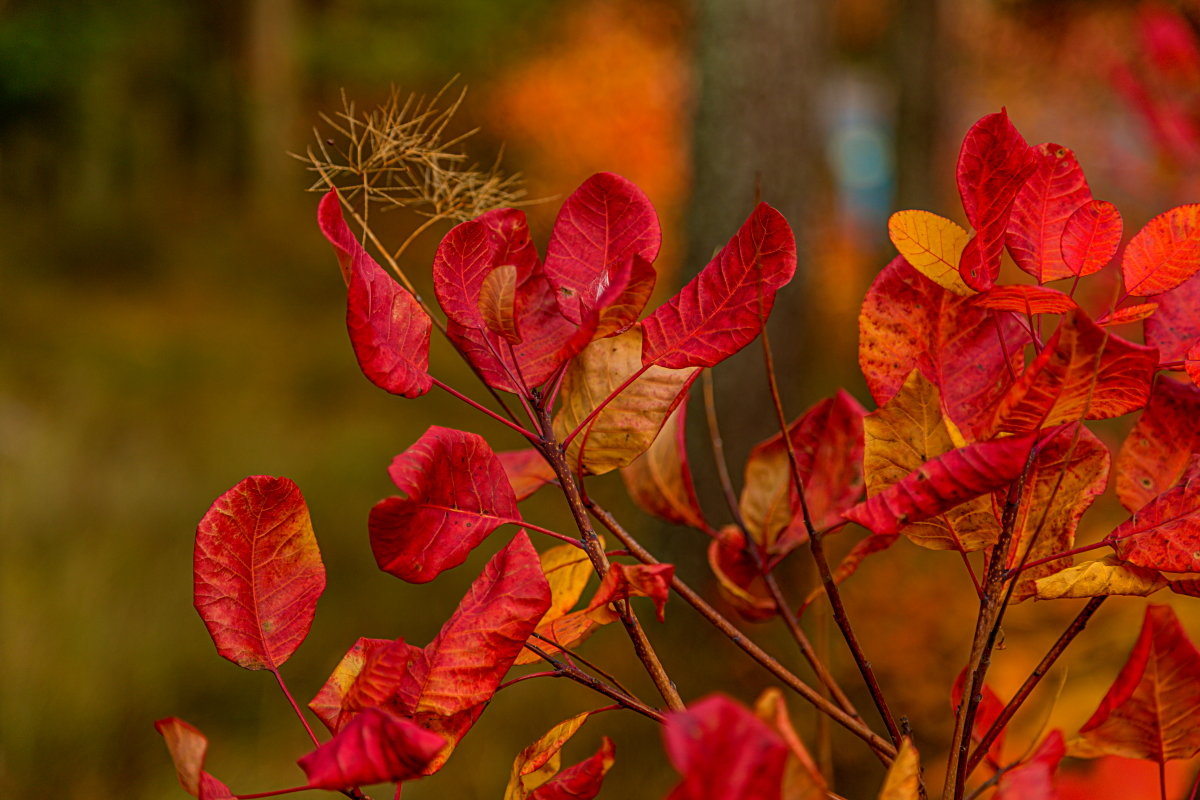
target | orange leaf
[
  {"x": 1128, "y": 314},
  {"x": 1151, "y": 708},
  {"x": 1164, "y": 534},
  {"x": 330, "y": 704},
  {"x": 1025, "y": 299},
  {"x": 623, "y": 581},
  {"x": 802, "y": 780},
  {"x": 527, "y": 471},
  {"x": 660, "y": 479},
  {"x": 1163, "y": 254},
  {"x": 738, "y": 578},
  {"x": 903, "y": 779},
  {"x": 933, "y": 245},
  {"x": 540, "y": 761},
  {"x": 188, "y": 747},
  {"x": 1091, "y": 238},
  {"x": 497, "y": 302},
  {"x": 567, "y": 569}
]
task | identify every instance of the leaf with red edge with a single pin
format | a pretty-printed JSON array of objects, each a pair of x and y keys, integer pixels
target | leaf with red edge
[
  {"x": 739, "y": 579},
  {"x": 1163, "y": 254},
  {"x": 1158, "y": 450},
  {"x": 802, "y": 780},
  {"x": 1054, "y": 191},
  {"x": 498, "y": 302},
  {"x": 540, "y": 761},
  {"x": 1034, "y": 778},
  {"x": 932, "y": 244},
  {"x": 1150, "y": 710},
  {"x": 383, "y": 672},
  {"x": 1091, "y": 238},
  {"x": 388, "y": 328},
  {"x": 993, "y": 164},
  {"x": 1083, "y": 372},
  {"x": 1175, "y": 326},
  {"x": 188, "y": 747},
  {"x": 943, "y": 483},
  {"x": 986, "y": 713},
  {"x": 659, "y": 481},
  {"x": 581, "y": 781},
  {"x": 723, "y": 751},
  {"x": 462, "y": 667},
  {"x": 723, "y": 308},
  {"x": 258, "y": 572},
  {"x": 601, "y": 226},
  {"x": 527, "y": 471},
  {"x": 457, "y": 493},
  {"x": 1165, "y": 533},
  {"x": 828, "y": 443},
  {"x": 1025, "y": 299},
  {"x": 1123, "y": 316},
  {"x": 1068, "y": 473},
  {"x": 623, "y": 581},
  {"x": 329, "y": 704},
  {"x": 909, "y": 322},
  {"x": 376, "y": 746},
  {"x": 622, "y": 304}
]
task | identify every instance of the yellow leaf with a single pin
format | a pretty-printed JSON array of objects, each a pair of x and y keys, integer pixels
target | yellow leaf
[
  {"x": 627, "y": 426},
  {"x": 900, "y": 437},
  {"x": 1097, "y": 578},
  {"x": 540, "y": 761},
  {"x": 567, "y": 569},
  {"x": 497, "y": 302},
  {"x": 903, "y": 778},
  {"x": 933, "y": 245}
]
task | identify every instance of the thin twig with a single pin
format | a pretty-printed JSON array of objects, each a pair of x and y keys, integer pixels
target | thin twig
[{"x": 595, "y": 684}]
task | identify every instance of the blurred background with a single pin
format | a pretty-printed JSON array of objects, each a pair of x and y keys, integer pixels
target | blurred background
[{"x": 173, "y": 321}]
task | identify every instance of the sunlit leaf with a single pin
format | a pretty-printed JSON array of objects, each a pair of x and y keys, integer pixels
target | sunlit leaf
[
  {"x": 1164, "y": 534},
  {"x": 1109, "y": 576},
  {"x": 581, "y": 781},
  {"x": 1091, "y": 238},
  {"x": 376, "y": 746},
  {"x": 1163, "y": 254},
  {"x": 1150, "y": 710},
  {"x": 567, "y": 569},
  {"x": 723, "y": 308},
  {"x": 1175, "y": 326},
  {"x": 1025, "y": 299},
  {"x": 660, "y": 479},
  {"x": 498, "y": 302},
  {"x": 903, "y": 779},
  {"x": 628, "y": 425},
  {"x": 1156, "y": 452},
  {"x": 1128, "y": 314},
  {"x": 623, "y": 581},
  {"x": 541, "y": 760},
  {"x": 723, "y": 751},
  {"x": 1041, "y": 209},
  {"x": 456, "y": 493},
  {"x": 188, "y": 747},
  {"x": 330, "y": 702},
  {"x": 933, "y": 245},
  {"x": 388, "y": 328},
  {"x": 258, "y": 572}
]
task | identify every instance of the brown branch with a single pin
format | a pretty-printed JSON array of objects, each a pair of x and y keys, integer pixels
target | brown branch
[{"x": 564, "y": 670}]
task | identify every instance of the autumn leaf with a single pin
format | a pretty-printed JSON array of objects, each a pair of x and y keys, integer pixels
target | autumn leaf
[
  {"x": 904, "y": 435},
  {"x": 623, "y": 581},
  {"x": 660, "y": 479},
  {"x": 739, "y": 578},
  {"x": 376, "y": 746},
  {"x": 1156, "y": 452},
  {"x": 581, "y": 781},
  {"x": 1091, "y": 237},
  {"x": 527, "y": 471},
  {"x": 567, "y": 569},
  {"x": 602, "y": 226},
  {"x": 993, "y": 165},
  {"x": 903, "y": 779},
  {"x": 1033, "y": 779},
  {"x": 802, "y": 780},
  {"x": 456, "y": 494},
  {"x": 330, "y": 704},
  {"x": 1175, "y": 326},
  {"x": 1025, "y": 299},
  {"x": 908, "y": 322},
  {"x": 1123, "y": 316},
  {"x": 1163, "y": 254},
  {"x": 1150, "y": 709},
  {"x": 1108, "y": 576},
  {"x": 723, "y": 308},
  {"x": 986, "y": 713},
  {"x": 933, "y": 245},
  {"x": 630, "y": 422},
  {"x": 722, "y": 750},
  {"x": 388, "y": 328},
  {"x": 188, "y": 748},
  {"x": 622, "y": 303},
  {"x": 943, "y": 483},
  {"x": 1055, "y": 189},
  {"x": 1165, "y": 533},
  {"x": 258, "y": 572},
  {"x": 1083, "y": 372},
  {"x": 539, "y": 763},
  {"x": 498, "y": 302}
]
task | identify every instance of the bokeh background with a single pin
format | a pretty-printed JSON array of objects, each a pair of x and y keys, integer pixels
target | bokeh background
[{"x": 172, "y": 321}]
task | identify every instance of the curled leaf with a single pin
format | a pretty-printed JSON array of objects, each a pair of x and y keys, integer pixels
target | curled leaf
[
  {"x": 723, "y": 751},
  {"x": 623, "y": 581},
  {"x": 1109, "y": 576},
  {"x": 660, "y": 479},
  {"x": 376, "y": 746},
  {"x": 188, "y": 747}
]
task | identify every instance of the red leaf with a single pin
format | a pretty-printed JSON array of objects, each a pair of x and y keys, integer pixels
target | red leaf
[
  {"x": 1176, "y": 325},
  {"x": 659, "y": 481},
  {"x": 388, "y": 328},
  {"x": 527, "y": 471},
  {"x": 1165, "y": 533},
  {"x": 188, "y": 747},
  {"x": 1083, "y": 372},
  {"x": 1128, "y": 314},
  {"x": 993, "y": 165},
  {"x": 1025, "y": 299},
  {"x": 580, "y": 781},
  {"x": 462, "y": 667},
  {"x": 601, "y": 227},
  {"x": 622, "y": 304},
  {"x": 986, "y": 713},
  {"x": 1053, "y": 192},
  {"x": 724, "y": 751},
  {"x": 1034, "y": 779},
  {"x": 723, "y": 308},
  {"x": 909, "y": 322},
  {"x": 258, "y": 572},
  {"x": 457, "y": 494},
  {"x": 376, "y": 746},
  {"x": 1150, "y": 710},
  {"x": 623, "y": 581},
  {"x": 1191, "y": 364},
  {"x": 1158, "y": 450},
  {"x": 498, "y": 302},
  {"x": 1091, "y": 237},
  {"x": 330, "y": 704},
  {"x": 943, "y": 483},
  {"x": 739, "y": 576},
  {"x": 1163, "y": 254}
]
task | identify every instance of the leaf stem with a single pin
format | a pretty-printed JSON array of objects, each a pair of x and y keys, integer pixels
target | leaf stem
[
  {"x": 1074, "y": 629},
  {"x": 564, "y": 670},
  {"x": 273, "y": 793},
  {"x": 555, "y": 534},
  {"x": 295, "y": 707},
  {"x": 880, "y": 746},
  {"x": 1105, "y": 542},
  {"x": 484, "y": 409}
]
